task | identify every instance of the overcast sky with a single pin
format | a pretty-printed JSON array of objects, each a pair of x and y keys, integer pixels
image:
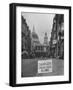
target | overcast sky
[{"x": 41, "y": 22}]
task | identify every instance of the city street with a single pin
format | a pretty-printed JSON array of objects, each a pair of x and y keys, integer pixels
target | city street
[
  {"x": 42, "y": 45},
  {"x": 30, "y": 68}
]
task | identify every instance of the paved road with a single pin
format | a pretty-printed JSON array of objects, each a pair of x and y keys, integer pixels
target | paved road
[{"x": 30, "y": 68}]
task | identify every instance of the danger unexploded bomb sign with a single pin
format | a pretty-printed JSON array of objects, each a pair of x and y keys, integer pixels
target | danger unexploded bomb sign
[{"x": 44, "y": 66}]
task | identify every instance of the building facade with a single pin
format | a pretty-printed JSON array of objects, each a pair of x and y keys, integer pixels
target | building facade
[
  {"x": 26, "y": 39},
  {"x": 57, "y": 37}
]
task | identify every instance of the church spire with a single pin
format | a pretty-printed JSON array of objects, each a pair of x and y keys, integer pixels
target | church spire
[{"x": 33, "y": 28}]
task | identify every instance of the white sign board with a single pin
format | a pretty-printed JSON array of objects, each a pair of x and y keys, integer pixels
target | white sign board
[{"x": 44, "y": 66}]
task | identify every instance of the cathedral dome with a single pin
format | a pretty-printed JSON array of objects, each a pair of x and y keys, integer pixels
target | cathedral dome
[
  {"x": 35, "y": 38},
  {"x": 34, "y": 35}
]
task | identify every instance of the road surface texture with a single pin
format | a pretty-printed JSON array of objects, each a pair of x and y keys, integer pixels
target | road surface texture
[{"x": 29, "y": 68}]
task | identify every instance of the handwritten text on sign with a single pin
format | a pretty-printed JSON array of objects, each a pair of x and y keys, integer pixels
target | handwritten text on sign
[{"x": 44, "y": 66}]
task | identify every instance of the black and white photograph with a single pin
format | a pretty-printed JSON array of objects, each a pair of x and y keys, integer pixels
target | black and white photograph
[
  {"x": 40, "y": 40},
  {"x": 42, "y": 49}
]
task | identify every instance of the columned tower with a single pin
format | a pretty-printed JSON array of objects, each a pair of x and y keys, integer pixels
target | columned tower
[{"x": 46, "y": 39}]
